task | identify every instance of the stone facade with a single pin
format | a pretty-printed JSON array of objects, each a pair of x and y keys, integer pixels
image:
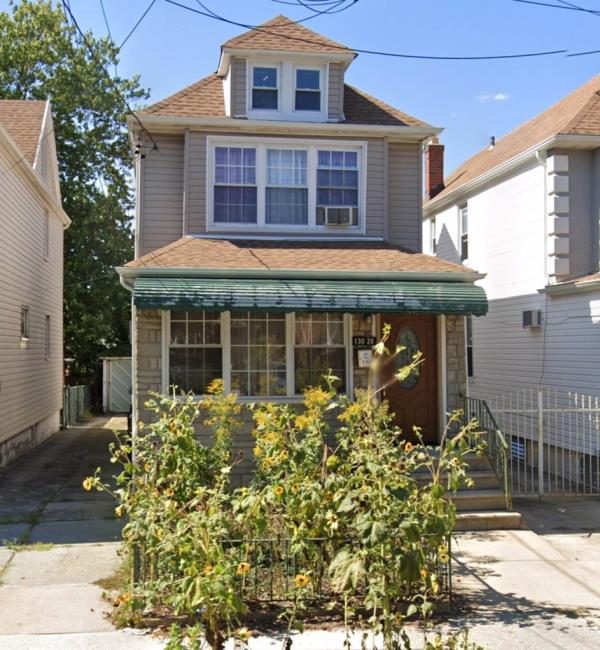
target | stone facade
[
  {"x": 148, "y": 377},
  {"x": 456, "y": 362}
]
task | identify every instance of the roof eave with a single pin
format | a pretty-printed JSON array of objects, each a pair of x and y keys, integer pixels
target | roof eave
[
  {"x": 571, "y": 287},
  {"x": 175, "y": 124},
  {"x": 463, "y": 191},
  {"x": 130, "y": 272},
  {"x": 343, "y": 56}
]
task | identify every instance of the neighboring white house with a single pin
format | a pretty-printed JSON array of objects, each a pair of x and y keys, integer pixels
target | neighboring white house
[
  {"x": 32, "y": 222},
  {"x": 525, "y": 211}
]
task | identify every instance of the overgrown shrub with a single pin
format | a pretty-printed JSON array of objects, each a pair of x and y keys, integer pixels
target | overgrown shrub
[{"x": 354, "y": 485}]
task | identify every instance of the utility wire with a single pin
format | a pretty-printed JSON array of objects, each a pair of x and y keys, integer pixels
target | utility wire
[
  {"x": 262, "y": 30},
  {"x": 108, "y": 30},
  {"x": 567, "y": 6},
  {"x": 139, "y": 22},
  {"x": 69, "y": 13}
]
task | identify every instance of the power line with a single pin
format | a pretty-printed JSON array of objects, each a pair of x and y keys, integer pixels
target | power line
[
  {"x": 100, "y": 66},
  {"x": 567, "y": 6},
  {"x": 139, "y": 22},
  {"x": 262, "y": 30},
  {"x": 108, "y": 30}
]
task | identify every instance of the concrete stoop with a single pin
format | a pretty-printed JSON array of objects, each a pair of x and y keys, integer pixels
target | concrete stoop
[{"x": 482, "y": 507}]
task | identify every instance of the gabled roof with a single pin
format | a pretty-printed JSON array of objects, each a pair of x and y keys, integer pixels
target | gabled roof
[
  {"x": 576, "y": 114},
  {"x": 205, "y": 99},
  {"x": 284, "y": 35},
  {"x": 276, "y": 255},
  {"x": 23, "y": 119}
]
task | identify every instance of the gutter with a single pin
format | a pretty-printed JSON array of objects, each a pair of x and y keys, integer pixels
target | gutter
[
  {"x": 32, "y": 176},
  {"x": 236, "y": 125},
  {"x": 128, "y": 273},
  {"x": 570, "y": 288},
  {"x": 461, "y": 192}
]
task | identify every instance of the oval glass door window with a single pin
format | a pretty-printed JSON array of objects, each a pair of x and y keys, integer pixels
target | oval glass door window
[{"x": 408, "y": 339}]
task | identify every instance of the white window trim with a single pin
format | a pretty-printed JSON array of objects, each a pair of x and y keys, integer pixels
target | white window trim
[
  {"x": 27, "y": 335},
  {"x": 463, "y": 206},
  {"x": 290, "y": 345},
  {"x": 318, "y": 69},
  {"x": 261, "y": 145},
  {"x": 286, "y": 85},
  {"x": 263, "y": 111}
]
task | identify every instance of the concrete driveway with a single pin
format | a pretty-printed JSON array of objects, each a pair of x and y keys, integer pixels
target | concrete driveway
[{"x": 58, "y": 544}]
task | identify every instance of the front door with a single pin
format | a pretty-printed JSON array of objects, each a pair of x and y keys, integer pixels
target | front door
[{"x": 414, "y": 401}]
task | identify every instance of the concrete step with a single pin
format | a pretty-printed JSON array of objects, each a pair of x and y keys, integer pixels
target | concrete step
[
  {"x": 488, "y": 520},
  {"x": 484, "y": 479},
  {"x": 477, "y": 500}
]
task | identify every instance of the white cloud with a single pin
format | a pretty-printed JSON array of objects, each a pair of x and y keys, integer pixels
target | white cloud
[{"x": 492, "y": 97}]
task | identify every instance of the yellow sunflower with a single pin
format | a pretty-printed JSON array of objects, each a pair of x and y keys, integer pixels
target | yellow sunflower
[
  {"x": 243, "y": 568},
  {"x": 408, "y": 447},
  {"x": 278, "y": 490},
  {"x": 301, "y": 580},
  {"x": 88, "y": 483}
]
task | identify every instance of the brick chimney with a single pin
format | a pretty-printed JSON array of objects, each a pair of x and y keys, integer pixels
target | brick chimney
[{"x": 434, "y": 168}]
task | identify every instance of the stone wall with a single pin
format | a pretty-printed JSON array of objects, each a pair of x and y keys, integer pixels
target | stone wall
[{"x": 456, "y": 361}]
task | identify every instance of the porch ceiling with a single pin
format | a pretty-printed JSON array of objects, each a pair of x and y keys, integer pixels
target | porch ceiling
[{"x": 218, "y": 294}]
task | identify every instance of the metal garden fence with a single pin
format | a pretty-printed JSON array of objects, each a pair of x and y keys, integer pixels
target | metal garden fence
[
  {"x": 274, "y": 563},
  {"x": 76, "y": 401}
]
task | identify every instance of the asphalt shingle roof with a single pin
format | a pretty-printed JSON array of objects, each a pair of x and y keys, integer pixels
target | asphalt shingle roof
[
  {"x": 360, "y": 256},
  {"x": 576, "y": 114},
  {"x": 23, "y": 120}
]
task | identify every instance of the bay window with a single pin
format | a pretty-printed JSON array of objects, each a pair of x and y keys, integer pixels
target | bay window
[
  {"x": 256, "y": 184},
  {"x": 308, "y": 90},
  {"x": 256, "y": 354}
]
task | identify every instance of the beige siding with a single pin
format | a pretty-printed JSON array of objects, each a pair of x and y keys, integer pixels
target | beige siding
[
  {"x": 335, "y": 108},
  {"x": 376, "y": 204},
  {"x": 161, "y": 218},
  {"x": 30, "y": 385},
  {"x": 238, "y": 87},
  {"x": 404, "y": 195}
]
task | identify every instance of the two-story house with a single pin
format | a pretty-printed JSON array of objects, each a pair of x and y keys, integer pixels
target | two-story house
[
  {"x": 278, "y": 229},
  {"x": 525, "y": 211},
  {"x": 32, "y": 221}
]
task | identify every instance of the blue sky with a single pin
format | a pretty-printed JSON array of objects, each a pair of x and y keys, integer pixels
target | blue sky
[{"x": 471, "y": 100}]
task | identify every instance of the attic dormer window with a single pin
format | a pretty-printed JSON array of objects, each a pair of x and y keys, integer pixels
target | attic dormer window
[
  {"x": 308, "y": 90},
  {"x": 265, "y": 88}
]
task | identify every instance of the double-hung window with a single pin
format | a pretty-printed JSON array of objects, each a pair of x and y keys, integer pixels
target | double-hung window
[
  {"x": 308, "y": 90},
  {"x": 265, "y": 93},
  {"x": 433, "y": 236},
  {"x": 337, "y": 188},
  {"x": 235, "y": 185},
  {"x": 195, "y": 350},
  {"x": 281, "y": 183},
  {"x": 464, "y": 232},
  {"x": 287, "y": 188},
  {"x": 24, "y": 323}
]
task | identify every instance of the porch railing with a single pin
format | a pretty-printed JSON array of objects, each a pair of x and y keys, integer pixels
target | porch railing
[{"x": 496, "y": 447}]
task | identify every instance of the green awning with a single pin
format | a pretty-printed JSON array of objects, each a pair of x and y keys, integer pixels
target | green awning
[{"x": 366, "y": 296}]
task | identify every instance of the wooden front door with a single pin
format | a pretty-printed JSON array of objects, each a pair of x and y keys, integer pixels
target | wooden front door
[{"x": 414, "y": 401}]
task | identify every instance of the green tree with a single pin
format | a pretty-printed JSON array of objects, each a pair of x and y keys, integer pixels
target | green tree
[{"x": 42, "y": 56}]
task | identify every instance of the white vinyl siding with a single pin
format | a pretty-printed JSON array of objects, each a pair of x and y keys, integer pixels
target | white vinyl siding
[{"x": 31, "y": 388}]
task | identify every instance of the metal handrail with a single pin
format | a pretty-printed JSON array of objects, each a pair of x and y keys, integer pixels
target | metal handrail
[{"x": 496, "y": 447}]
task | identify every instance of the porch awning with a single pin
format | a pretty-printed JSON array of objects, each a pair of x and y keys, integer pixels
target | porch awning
[{"x": 220, "y": 294}]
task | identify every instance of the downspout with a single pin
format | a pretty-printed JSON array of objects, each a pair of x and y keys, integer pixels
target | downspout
[{"x": 134, "y": 405}]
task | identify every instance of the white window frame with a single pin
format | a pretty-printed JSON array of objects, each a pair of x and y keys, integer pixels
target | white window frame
[
  {"x": 312, "y": 147},
  {"x": 251, "y": 86},
  {"x": 432, "y": 236},
  {"x": 295, "y": 79},
  {"x": 24, "y": 322},
  {"x": 290, "y": 341},
  {"x": 286, "y": 86}
]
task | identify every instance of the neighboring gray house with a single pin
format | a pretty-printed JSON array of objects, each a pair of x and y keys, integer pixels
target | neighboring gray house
[
  {"x": 278, "y": 228},
  {"x": 526, "y": 211},
  {"x": 32, "y": 222}
]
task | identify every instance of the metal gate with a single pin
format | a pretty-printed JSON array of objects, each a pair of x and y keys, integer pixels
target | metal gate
[
  {"x": 553, "y": 439},
  {"x": 116, "y": 384}
]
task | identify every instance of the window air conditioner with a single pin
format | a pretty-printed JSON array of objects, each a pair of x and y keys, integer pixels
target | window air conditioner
[
  {"x": 532, "y": 318},
  {"x": 337, "y": 216}
]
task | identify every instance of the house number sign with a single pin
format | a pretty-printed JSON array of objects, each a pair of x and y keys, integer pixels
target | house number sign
[{"x": 363, "y": 341}]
